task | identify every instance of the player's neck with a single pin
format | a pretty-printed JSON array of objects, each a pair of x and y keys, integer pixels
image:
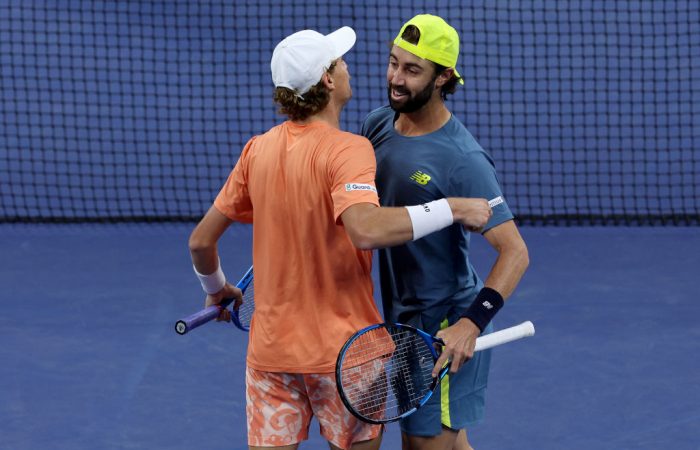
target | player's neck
[
  {"x": 329, "y": 115},
  {"x": 431, "y": 117}
]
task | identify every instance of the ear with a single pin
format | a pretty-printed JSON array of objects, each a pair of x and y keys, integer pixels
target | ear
[
  {"x": 327, "y": 79},
  {"x": 444, "y": 77}
]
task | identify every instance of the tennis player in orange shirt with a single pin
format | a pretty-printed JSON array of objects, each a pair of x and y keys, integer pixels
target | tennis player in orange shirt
[{"x": 308, "y": 189}]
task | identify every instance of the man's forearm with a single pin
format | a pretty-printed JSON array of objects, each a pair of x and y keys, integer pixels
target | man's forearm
[{"x": 508, "y": 270}]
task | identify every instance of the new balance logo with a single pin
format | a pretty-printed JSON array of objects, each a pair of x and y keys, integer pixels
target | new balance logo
[
  {"x": 420, "y": 177},
  {"x": 487, "y": 305}
]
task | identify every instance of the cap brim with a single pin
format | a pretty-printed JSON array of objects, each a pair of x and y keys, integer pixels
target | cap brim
[
  {"x": 343, "y": 40},
  {"x": 461, "y": 80}
]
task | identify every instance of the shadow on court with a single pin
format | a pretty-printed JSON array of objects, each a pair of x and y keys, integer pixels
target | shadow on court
[{"x": 91, "y": 360}]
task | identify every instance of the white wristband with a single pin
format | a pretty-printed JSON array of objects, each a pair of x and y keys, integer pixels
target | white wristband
[
  {"x": 430, "y": 217},
  {"x": 213, "y": 282}
]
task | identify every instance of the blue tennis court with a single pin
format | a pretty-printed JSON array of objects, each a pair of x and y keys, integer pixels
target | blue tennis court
[{"x": 92, "y": 360}]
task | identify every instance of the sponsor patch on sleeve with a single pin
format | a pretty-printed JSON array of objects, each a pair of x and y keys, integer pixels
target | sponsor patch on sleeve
[
  {"x": 359, "y": 187},
  {"x": 495, "y": 201}
]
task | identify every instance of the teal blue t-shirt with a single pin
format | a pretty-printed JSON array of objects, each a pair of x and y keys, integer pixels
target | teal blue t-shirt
[{"x": 432, "y": 275}]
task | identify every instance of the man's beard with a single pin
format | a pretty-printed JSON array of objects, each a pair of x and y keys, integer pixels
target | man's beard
[{"x": 414, "y": 102}]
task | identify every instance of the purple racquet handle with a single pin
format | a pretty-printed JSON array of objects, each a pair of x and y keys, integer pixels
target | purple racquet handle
[
  {"x": 189, "y": 323},
  {"x": 210, "y": 313}
]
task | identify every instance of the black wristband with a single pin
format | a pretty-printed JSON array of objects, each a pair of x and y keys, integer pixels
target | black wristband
[{"x": 486, "y": 304}]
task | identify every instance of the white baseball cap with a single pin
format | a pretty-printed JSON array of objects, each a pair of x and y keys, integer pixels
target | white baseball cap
[{"x": 300, "y": 60}]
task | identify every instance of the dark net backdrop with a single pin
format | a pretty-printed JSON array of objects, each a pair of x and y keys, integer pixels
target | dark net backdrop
[{"x": 137, "y": 110}]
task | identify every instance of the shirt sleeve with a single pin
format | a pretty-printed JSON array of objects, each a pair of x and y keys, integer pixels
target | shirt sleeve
[
  {"x": 475, "y": 176},
  {"x": 351, "y": 172},
  {"x": 234, "y": 199}
]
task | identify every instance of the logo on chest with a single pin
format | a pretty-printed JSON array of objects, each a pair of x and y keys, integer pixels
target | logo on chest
[{"x": 420, "y": 177}]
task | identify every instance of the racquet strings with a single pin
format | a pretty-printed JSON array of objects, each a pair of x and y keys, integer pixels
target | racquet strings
[
  {"x": 245, "y": 311},
  {"x": 386, "y": 372}
]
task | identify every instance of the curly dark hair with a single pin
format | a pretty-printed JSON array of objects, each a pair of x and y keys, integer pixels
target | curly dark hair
[
  {"x": 298, "y": 108},
  {"x": 412, "y": 34}
]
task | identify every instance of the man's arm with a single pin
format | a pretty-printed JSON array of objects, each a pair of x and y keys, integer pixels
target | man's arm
[
  {"x": 512, "y": 260},
  {"x": 510, "y": 265},
  {"x": 204, "y": 238},
  {"x": 372, "y": 227},
  {"x": 205, "y": 257}
]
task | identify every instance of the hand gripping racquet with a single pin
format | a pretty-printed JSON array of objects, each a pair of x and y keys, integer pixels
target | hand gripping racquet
[
  {"x": 384, "y": 371},
  {"x": 240, "y": 316}
]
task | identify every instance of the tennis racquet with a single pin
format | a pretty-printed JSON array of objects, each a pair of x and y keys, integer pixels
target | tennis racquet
[
  {"x": 240, "y": 316},
  {"x": 384, "y": 371}
]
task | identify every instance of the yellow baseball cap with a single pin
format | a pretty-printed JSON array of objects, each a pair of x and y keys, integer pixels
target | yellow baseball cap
[{"x": 438, "y": 42}]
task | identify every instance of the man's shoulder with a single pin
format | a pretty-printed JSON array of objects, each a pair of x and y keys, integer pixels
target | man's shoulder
[
  {"x": 336, "y": 141},
  {"x": 381, "y": 112},
  {"x": 378, "y": 116},
  {"x": 465, "y": 144},
  {"x": 273, "y": 132},
  {"x": 319, "y": 132},
  {"x": 347, "y": 137}
]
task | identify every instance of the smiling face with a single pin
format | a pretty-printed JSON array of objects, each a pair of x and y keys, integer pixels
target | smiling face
[{"x": 411, "y": 81}]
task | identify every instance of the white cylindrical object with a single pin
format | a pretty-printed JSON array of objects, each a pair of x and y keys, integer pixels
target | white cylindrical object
[{"x": 504, "y": 336}]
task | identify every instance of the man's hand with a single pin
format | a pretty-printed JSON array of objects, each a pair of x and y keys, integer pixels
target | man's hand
[
  {"x": 228, "y": 291},
  {"x": 459, "y": 340},
  {"x": 472, "y": 213}
]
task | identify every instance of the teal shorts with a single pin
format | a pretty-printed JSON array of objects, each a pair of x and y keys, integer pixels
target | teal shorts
[{"x": 460, "y": 399}]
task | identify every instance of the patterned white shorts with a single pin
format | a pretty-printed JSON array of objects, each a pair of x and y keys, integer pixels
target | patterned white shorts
[{"x": 279, "y": 408}]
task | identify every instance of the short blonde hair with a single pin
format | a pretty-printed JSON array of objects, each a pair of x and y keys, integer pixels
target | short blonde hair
[{"x": 300, "y": 108}]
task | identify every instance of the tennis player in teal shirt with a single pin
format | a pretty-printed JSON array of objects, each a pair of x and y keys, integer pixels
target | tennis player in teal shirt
[{"x": 423, "y": 154}]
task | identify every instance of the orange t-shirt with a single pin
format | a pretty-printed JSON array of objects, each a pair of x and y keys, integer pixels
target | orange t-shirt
[{"x": 313, "y": 287}]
